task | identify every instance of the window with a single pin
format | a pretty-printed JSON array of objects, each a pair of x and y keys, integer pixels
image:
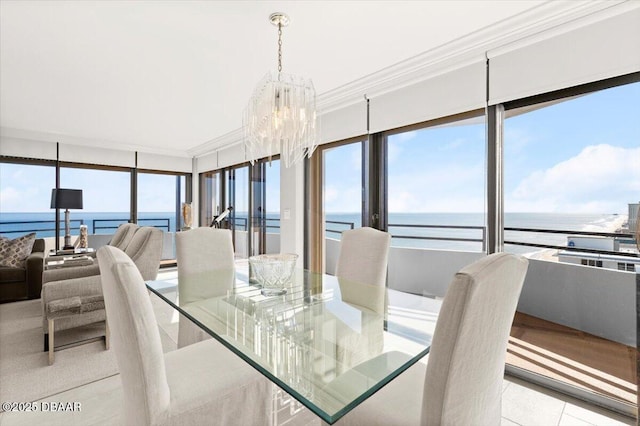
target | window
[
  {"x": 591, "y": 262},
  {"x": 342, "y": 189},
  {"x": 272, "y": 203},
  {"x": 436, "y": 186},
  {"x": 106, "y": 197},
  {"x": 571, "y": 164},
  {"x": 210, "y": 197},
  {"x": 237, "y": 193},
  {"x": 626, "y": 267},
  {"x": 570, "y": 173},
  {"x": 25, "y": 200},
  {"x": 160, "y": 198}
]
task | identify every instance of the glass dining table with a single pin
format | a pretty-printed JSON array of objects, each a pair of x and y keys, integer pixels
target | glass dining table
[{"x": 327, "y": 342}]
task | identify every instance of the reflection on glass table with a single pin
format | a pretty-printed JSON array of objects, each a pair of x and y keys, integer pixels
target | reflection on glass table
[{"x": 328, "y": 343}]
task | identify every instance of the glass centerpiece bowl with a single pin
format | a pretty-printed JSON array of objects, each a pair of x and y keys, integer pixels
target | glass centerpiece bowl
[{"x": 273, "y": 271}]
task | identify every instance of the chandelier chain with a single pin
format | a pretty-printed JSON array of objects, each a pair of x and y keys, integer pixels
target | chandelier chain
[{"x": 279, "y": 48}]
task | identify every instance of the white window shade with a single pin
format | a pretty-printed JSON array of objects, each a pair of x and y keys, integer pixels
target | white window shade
[
  {"x": 207, "y": 162},
  {"x": 26, "y": 148},
  {"x": 344, "y": 123},
  {"x": 231, "y": 156},
  {"x": 595, "y": 49},
  {"x": 95, "y": 155},
  {"x": 455, "y": 91},
  {"x": 164, "y": 162}
]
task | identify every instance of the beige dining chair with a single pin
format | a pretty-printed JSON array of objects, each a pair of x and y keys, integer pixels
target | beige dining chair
[
  {"x": 200, "y": 384},
  {"x": 205, "y": 269},
  {"x": 363, "y": 258},
  {"x": 462, "y": 384}
]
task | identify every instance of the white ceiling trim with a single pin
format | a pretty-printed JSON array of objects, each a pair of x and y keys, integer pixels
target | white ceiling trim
[{"x": 225, "y": 141}]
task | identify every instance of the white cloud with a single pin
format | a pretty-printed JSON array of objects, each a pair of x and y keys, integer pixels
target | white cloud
[
  {"x": 600, "y": 179},
  {"x": 9, "y": 196},
  {"x": 448, "y": 188},
  {"x": 518, "y": 139},
  {"x": 405, "y": 136},
  {"x": 340, "y": 200},
  {"x": 453, "y": 144}
]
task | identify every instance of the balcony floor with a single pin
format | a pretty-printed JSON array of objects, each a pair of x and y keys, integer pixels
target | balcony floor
[{"x": 574, "y": 357}]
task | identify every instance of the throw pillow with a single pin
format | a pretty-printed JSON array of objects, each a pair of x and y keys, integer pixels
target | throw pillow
[{"x": 14, "y": 252}]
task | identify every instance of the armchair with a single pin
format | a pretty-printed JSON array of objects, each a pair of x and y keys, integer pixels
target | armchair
[
  {"x": 121, "y": 239},
  {"x": 26, "y": 282},
  {"x": 144, "y": 248}
]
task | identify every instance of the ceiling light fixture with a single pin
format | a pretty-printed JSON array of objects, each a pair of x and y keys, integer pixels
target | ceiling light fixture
[{"x": 281, "y": 114}]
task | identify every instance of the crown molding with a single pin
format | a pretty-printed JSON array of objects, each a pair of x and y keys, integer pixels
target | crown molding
[
  {"x": 13, "y": 133},
  {"x": 227, "y": 140}
]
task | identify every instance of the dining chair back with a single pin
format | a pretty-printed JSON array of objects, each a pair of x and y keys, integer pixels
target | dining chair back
[
  {"x": 135, "y": 338},
  {"x": 203, "y": 384},
  {"x": 463, "y": 382},
  {"x": 205, "y": 269},
  {"x": 362, "y": 262}
]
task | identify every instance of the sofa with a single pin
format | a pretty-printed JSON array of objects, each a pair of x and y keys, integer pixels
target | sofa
[
  {"x": 23, "y": 282},
  {"x": 142, "y": 244}
]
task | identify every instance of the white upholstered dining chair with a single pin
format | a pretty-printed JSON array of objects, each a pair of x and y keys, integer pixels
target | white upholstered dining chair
[
  {"x": 205, "y": 269},
  {"x": 462, "y": 383},
  {"x": 362, "y": 262},
  {"x": 200, "y": 384}
]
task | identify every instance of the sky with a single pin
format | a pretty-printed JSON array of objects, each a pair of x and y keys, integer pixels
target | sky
[{"x": 577, "y": 156}]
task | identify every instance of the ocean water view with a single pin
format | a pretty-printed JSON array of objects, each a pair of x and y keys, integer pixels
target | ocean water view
[
  {"x": 408, "y": 229},
  {"x": 43, "y": 223}
]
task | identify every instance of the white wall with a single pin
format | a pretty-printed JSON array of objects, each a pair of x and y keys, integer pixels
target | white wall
[
  {"x": 273, "y": 244},
  {"x": 419, "y": 271},
  {"x": 427, "y": 272},
  {"x": 292, "y": 210},
  {"x": 596, "y": 300}
]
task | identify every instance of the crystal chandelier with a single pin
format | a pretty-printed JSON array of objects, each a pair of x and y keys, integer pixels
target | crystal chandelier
[{"x": 281, "y": 114}]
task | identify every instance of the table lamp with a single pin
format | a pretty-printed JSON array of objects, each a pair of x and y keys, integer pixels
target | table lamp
[{"x": 66, "y": 199}]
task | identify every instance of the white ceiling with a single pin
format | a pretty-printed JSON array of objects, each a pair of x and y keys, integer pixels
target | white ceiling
[{"x": 165, "y": 76}]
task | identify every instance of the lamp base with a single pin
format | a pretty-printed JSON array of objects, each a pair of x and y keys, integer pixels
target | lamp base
[{"x": 67, "y": 231}]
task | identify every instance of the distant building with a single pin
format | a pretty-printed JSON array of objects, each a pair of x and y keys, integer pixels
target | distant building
[
  {"x": 609, "y": 261},
  {"x": 633, "y": 216}
]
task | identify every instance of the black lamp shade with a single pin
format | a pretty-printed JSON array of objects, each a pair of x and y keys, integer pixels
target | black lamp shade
[{"x": 66, "y": 198}]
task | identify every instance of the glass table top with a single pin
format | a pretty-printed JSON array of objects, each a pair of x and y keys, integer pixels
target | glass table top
[{"x": 328, "y": 342}]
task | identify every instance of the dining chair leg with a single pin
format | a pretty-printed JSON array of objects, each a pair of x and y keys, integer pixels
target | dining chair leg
[
  {"x": 51, "y": 348},
  {"x": 106, "y": 335}
]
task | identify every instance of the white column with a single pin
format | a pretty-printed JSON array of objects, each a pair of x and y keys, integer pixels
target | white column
[{"x": 292, "y": 210}]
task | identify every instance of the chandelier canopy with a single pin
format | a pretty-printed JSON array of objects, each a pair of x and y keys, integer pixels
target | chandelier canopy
[{"x": 281, "y": 114}]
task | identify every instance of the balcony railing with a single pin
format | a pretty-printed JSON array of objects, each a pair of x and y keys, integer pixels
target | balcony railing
[
  {"x": 241, "y": 223},
  {"x": 5, "y": 227},
  {"x": 350, "y": 225},
  {"x": 12, "y": 227},
  {"x": 97, "y": 223},
  {"x": 481, "y": 240},
  {"x": 630, "y": 239}
]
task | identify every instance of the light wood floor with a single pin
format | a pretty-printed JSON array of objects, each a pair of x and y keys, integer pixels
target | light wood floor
[{"x": 575, "y": 357}]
